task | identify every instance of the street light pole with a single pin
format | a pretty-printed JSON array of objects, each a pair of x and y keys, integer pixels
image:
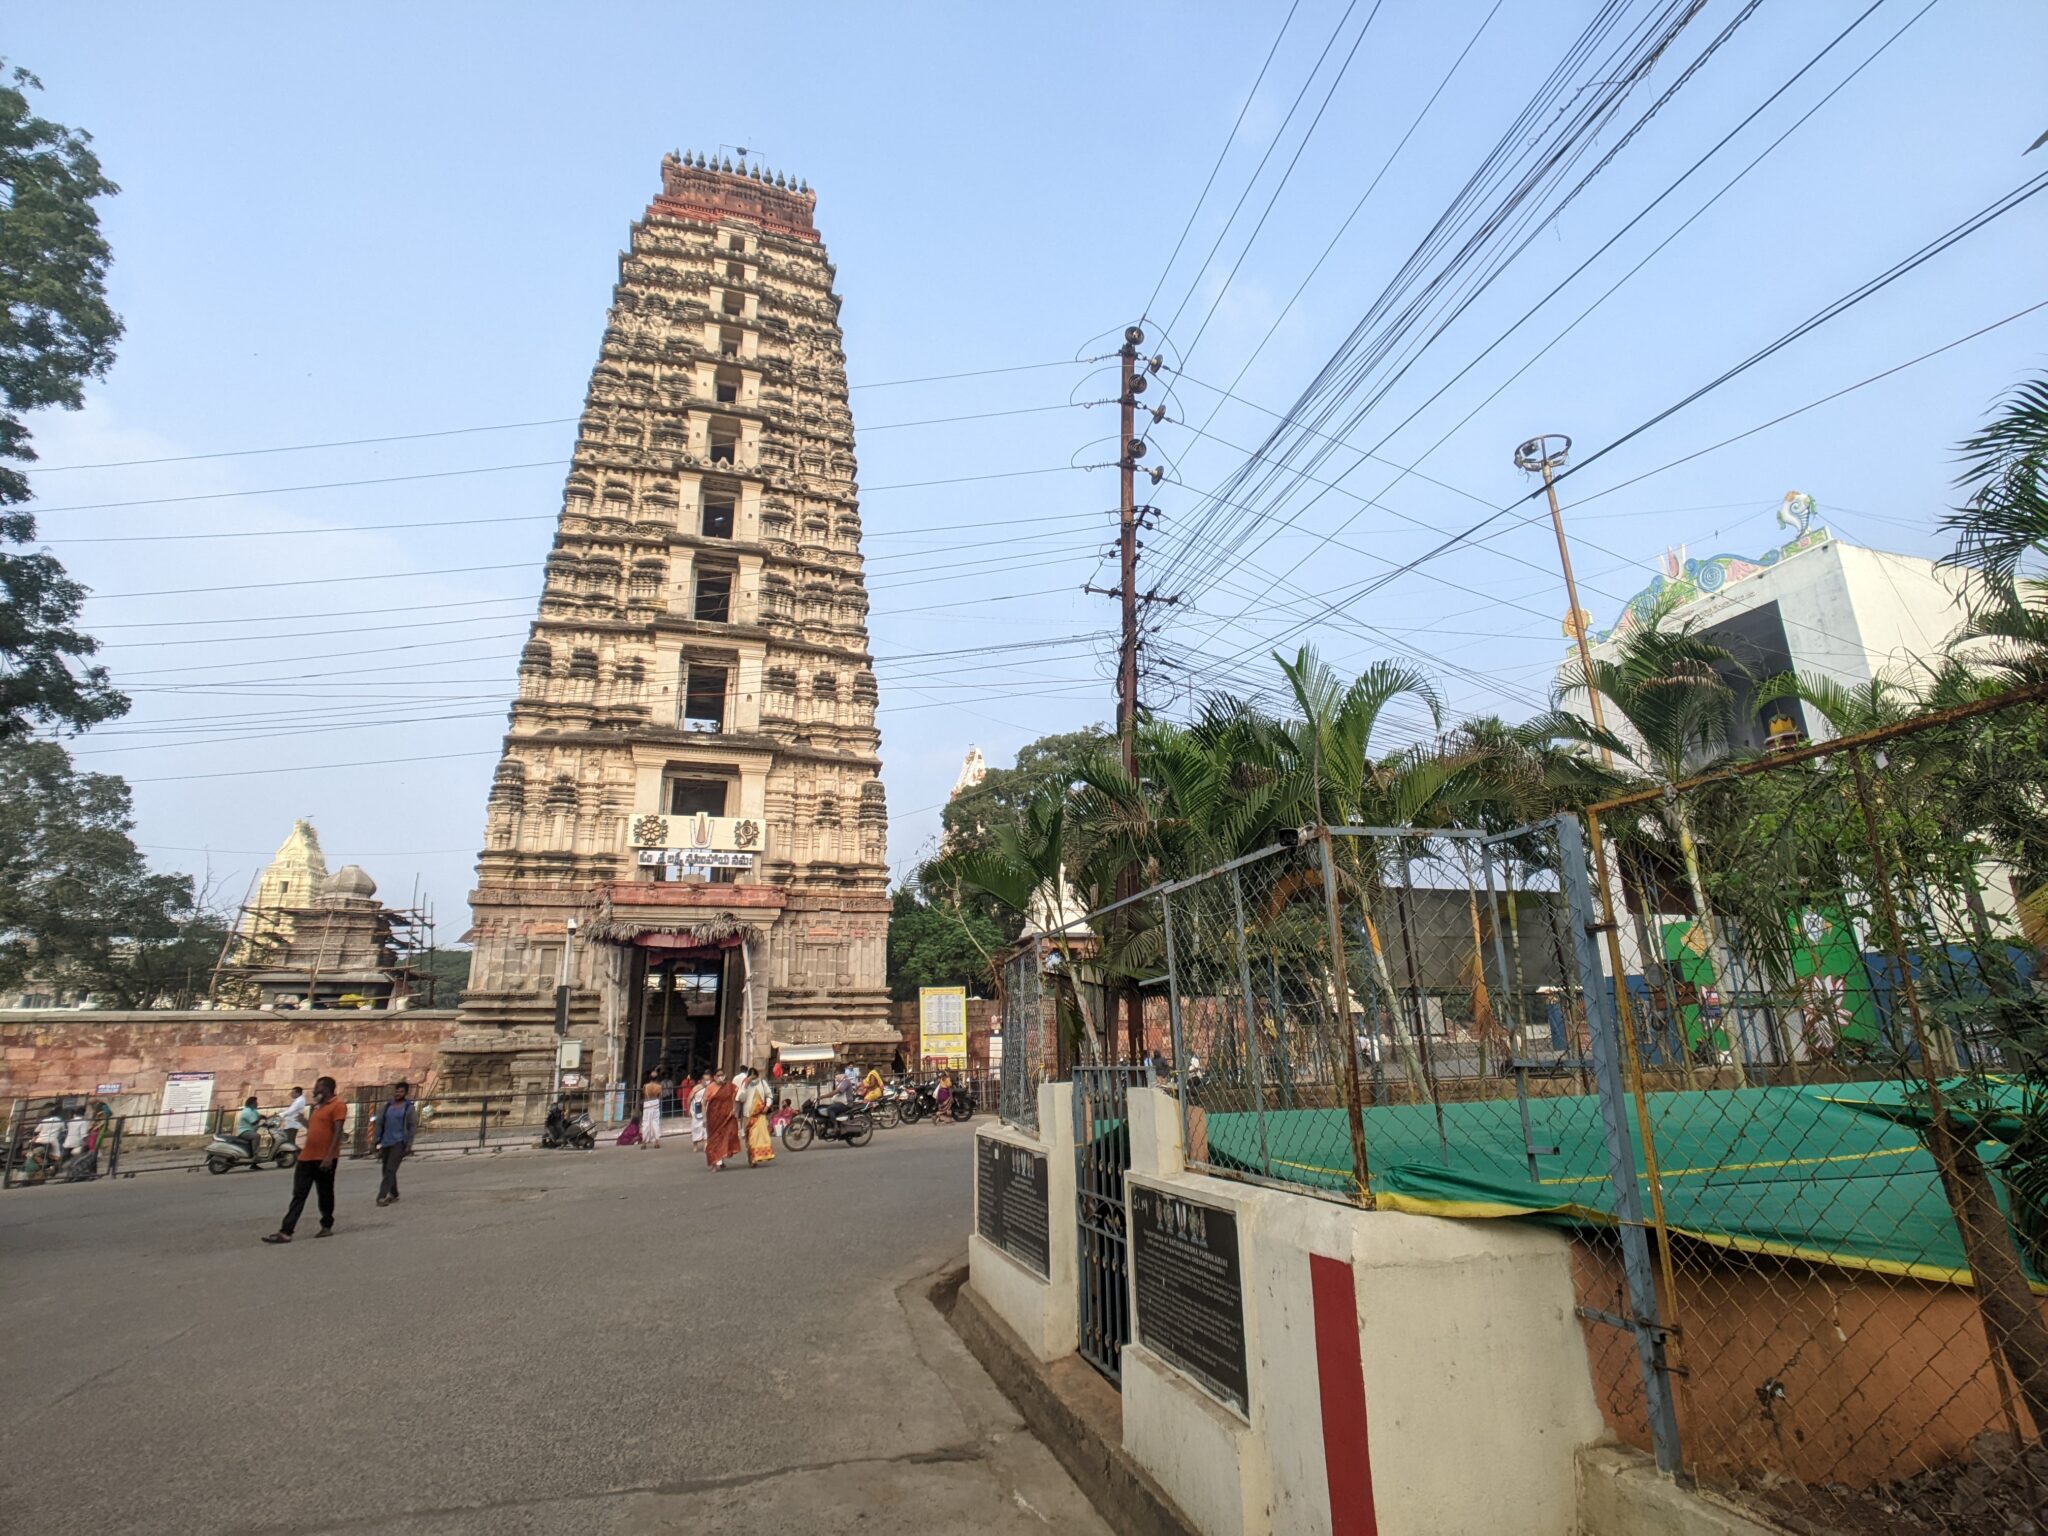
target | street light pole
[
  {"x": 562, "y": 1006},
  {"x": 1546, "y": 455}
]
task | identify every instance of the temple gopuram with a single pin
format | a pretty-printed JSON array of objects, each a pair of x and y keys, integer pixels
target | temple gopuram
[{"x": 687, "y": 827}]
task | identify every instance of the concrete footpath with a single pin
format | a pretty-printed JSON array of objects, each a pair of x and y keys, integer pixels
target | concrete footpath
[{"x": 609, "y": 1342}]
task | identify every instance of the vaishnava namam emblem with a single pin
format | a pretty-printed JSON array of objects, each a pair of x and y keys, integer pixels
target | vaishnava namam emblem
[{"x": 650, "y": 831}]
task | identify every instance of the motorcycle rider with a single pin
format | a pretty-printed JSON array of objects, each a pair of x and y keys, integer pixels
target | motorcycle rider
[
  {"x": 49, "y": 1142},
  {"x": 246, "y": 1122},
  {"x": 76, "y": 1130}
]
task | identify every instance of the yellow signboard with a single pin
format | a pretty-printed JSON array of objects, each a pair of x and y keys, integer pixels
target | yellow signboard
[{"x": 942, "y": 1025}]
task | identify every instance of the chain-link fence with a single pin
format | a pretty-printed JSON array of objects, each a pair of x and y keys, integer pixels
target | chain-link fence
[
  {"x": 1364, "y": 996},
  {"x": 1024, "y": 1034},
  {"x": 1772, "y": 1043},
  {"x": 1833, "y": 1029}
]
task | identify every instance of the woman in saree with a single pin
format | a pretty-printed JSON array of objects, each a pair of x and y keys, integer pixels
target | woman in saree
[
  {"x": 721, "y": 1123},
  {"x": 758, "y": 1104}
]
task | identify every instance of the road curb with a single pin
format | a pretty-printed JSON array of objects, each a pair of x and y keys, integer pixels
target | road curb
[{"x": 1073, "y": 1412}]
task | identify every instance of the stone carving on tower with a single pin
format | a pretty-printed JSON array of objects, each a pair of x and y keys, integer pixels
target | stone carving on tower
[{"x": 692, "y": 773}]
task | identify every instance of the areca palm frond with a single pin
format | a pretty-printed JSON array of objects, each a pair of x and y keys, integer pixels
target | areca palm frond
[
  {"x": 1885, "y": 700},
  {"x": 1027, "y": 858},
  {"x": 1667, "y": 684},
  {"x": 2005, "y": 468}
]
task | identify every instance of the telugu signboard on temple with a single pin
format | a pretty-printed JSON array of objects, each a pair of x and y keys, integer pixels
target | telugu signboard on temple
[
  {"x": 1012, "y": 1206},
  {"x": 1189, "y": 1283}
]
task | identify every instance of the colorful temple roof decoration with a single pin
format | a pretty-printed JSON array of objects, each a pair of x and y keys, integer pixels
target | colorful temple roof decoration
[{"x": 1686, "y": 580}]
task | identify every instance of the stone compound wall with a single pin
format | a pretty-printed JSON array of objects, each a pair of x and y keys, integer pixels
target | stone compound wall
[{"x": 74, "y": 1051}]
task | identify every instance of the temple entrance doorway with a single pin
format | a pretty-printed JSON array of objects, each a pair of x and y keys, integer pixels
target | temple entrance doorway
[{"x": 684, "y": 1001}]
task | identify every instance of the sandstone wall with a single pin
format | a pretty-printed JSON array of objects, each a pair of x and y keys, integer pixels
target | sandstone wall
[{"x": 74, "y": 1051}]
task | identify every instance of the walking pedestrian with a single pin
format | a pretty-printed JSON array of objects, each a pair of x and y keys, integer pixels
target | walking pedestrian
[
  {"x": 699, "y": 1131},
  {"x": 721, "y": 1123},
  {"x": 292, "y": 1123},
  {"x": 756, "y": 1105},
  {"x": 650, "y": 1112},
  {"x": 317, "y": 1161},
  {"x": 397, "y": 1123}
]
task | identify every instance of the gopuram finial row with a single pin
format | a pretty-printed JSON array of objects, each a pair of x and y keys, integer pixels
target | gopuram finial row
[{"x": 697, "y": 161}]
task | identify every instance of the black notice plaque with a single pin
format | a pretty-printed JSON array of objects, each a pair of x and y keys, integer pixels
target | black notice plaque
[
  {"x": 1012, "y": 1203},
  {"x": 1190, "y": 1289}
]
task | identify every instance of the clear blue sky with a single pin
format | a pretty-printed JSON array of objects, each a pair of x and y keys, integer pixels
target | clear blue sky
[{"x": 369, "y": 220}]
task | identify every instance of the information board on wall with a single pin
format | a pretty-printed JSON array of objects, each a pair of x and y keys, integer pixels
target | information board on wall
[
  {"x": 1012, "y": 1206},
  {"x": 942, "y": 1025},
  {"x": 187, "y": 1097},
  {"x": 1190, "y": 1289}
]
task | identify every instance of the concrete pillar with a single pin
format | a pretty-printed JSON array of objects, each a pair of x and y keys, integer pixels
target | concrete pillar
[{"x": 1042, "y": 1310}]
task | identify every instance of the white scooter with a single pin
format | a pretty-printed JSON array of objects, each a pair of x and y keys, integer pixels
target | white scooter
[{"x": 225, "y": 1152}]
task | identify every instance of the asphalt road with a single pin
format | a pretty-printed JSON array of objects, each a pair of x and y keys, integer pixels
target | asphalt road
[{"x": 612, "y": 1341}]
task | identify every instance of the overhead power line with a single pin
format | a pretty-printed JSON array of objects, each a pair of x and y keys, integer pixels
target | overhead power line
[
  {"x": 1259, "y": 169},
  {"x": 501, "y": 426},
  {"x": 313, "y": 581},
  {"x": 1222, "y": 155},
  {"x": 1355, "y": 591}
]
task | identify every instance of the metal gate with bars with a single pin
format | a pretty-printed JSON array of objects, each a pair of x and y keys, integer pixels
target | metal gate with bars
[{"x": 1102, "y": 1155}]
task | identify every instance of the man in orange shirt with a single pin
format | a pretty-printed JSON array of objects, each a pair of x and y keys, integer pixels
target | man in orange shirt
[{"x": 319, "y": 1155}]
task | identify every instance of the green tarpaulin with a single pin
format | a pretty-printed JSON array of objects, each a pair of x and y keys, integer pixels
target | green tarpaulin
[{"x": 1824, "y": 1174}]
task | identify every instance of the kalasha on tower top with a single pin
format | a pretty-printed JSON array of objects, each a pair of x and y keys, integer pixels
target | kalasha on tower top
[{"x": 685, "y": 859}]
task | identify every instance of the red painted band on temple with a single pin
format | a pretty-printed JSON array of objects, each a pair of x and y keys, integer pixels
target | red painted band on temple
[{"x": 705, "y": 196}]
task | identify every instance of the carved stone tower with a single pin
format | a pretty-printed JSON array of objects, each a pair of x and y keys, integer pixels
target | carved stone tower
[{"x": 689, "y": 798}]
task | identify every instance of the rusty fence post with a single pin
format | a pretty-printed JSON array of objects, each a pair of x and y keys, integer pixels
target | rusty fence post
[
  {"x": 1254, "y": 1058},
  {"x": 1361, "y": 1173},
  {"x": 1607, "y": 1034}
]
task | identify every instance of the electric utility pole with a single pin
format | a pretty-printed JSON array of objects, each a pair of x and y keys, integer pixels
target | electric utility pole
[
  {"x": 1132, "y": 379},
  {"x": 1129, "y": 447}
]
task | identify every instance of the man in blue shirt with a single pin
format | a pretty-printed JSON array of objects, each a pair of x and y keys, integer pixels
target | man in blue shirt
[
  {"x": 392, "y": 1137},
  {"x": 246, "y": 1123}
]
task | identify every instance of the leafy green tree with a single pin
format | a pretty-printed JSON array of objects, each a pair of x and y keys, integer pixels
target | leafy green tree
[
  {"x": 934, "y": 943},
  {"x": 1023, "y": 871},
  {"x": 448, "y": 970},
  {"x": 974, "y": 817},
  {"x": 56, "y": 333},
  {"x": 79, "y": 906}
]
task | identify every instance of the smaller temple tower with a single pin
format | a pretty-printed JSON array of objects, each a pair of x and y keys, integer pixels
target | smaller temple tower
[{"x": 308, "y": 939}]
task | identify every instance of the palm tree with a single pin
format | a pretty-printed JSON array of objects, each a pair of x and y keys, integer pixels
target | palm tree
[
  {"x": 2005, "y": 468},
  {"x": 1677, "y": 720},
  {"x": 1320, "y": 769},
  {"x": 2002, "y": 532}
]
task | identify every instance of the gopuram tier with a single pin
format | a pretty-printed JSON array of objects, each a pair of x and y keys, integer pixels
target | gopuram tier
[{"x": 687, "y": 826}]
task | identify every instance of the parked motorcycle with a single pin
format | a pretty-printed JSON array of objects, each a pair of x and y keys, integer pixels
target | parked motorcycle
[
  {"x": 225, "y": 1152},
  {"x": 828, "y": 1122},
  {"x": 923, "y": 1104},
  {"x": 887, "y": 1111},
  {"x": 578, "y": 1132}
]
